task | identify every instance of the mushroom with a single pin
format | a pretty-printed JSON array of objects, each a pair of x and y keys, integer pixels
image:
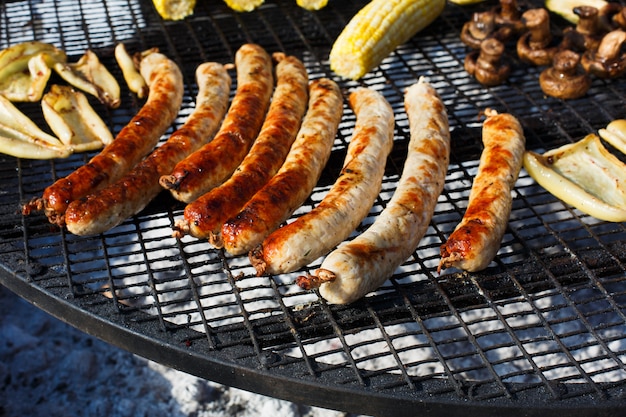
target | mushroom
[
  {"x": 563, "y": 79},
  {"x": 588, "y": 32},
  {"x": 609, "y": 16},
  {"x": 482, "y": 25},
  {"x": 608, "y": 61},
  {"x": 619, "y": 19},
  {"x": 508, "y": 14},
  {"x": 535, "y": 46},
  {"x": 488, "y": 65}
]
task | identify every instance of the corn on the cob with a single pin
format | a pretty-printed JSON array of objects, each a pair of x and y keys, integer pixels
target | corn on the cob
[
  {"x": 174, "y": 9},
  {"x": 312, "y": 4},
  {"x": 243, "y": 5},
  {"x": 465, "y": 2},
  {"x": 376, "y": 30}
]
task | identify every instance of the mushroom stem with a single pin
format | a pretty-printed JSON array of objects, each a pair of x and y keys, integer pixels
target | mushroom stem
[
  {"x": 563, "y": 80},
  {"x": 488, "y": 65},
  {"x": 607, "y": 61}
]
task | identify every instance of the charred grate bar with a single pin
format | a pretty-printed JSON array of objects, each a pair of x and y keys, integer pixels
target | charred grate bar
[{"x": 542, "y": 329}]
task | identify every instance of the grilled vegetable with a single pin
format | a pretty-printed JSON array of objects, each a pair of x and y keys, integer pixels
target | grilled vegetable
[
  {"x": 24, "y": 70},
  {"x": 90, "y": 76},
  {"x": 20, "y": 136},
  {"x": 174, "y": 9},
  {"x": 243, "y": 5},
  {"x": 565, "y": 8},
  {"x": 615, "y": 134},
  {"x": 376, "y": 30},
  {"x": 465, "y": 2},
  {"x": 585, "y": 175},
  {"x": 73, "y": 120},
  {"x": 131, "y": 74},
  {"x": 312, "y": 4}
]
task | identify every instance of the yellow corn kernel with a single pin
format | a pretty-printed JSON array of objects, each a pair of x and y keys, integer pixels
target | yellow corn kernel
[
  {"x": 174, "y": 9},
  {"x": 312, "y": 4},
  {"x": 243, "y": 5},
  {"x": 376, "y": 30},
  {"x": 465, "y": 2}
]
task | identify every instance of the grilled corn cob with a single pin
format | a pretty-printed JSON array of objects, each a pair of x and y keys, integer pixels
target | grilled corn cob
[
  {"x": 376, "y": 30},
  {"x": 174, "y": 9},
  {"x": 465, "y": 2},
  {"x": 312, "y": 4},
  {"x": 243, "y": 5}
]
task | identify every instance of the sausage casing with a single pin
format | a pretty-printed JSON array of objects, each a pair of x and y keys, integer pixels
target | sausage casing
[
  {"x": 348, "y": 201},
  {"x": 475, "y": 241},
  {"x": 204, "y": 217},
  {"x": 132, "y": 143},
  {"x": 295, "y": 180},
  {"x": 108, "y": 207},
  {"x": 361, "y": 265},
  {"x": 214, "y": 162}
]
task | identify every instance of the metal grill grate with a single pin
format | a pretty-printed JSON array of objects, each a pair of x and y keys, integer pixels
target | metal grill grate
[{"x": 543, "y": 327}]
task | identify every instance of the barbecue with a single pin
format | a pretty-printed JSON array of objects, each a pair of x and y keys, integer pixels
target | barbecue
[{"x": 542, "y": 328}]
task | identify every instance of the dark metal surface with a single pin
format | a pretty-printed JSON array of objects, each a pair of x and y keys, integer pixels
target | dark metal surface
[{"x": 542, "y": 329}]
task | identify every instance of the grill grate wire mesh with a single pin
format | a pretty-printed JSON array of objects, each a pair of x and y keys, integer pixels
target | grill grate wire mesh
[{"x": 544, "y": 326}]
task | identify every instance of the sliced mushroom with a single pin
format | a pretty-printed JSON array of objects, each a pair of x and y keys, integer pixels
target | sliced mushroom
[
  {"x": 608, "y": 61},
  {"x": 535, "y": 46},
  {"x": 488, "y": 66},
  {"x": 565, "y": 78}
]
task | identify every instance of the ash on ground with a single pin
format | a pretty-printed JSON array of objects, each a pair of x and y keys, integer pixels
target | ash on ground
[{"x": 48, "y": 368}]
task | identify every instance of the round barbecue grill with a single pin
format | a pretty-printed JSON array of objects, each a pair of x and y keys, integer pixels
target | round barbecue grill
[{"x": 543, "y": 328}]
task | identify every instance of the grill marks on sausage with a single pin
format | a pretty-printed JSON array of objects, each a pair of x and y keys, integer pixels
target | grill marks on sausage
[
  {"x": 347, "y": 202},
  {"x": 215, "y": 162},
  {"x": 361, "y": 265},
  {"x": 204, "y": 217},
  {"x": 295, "y": 180},
  {"x": 476, "y": 240},
  {"x": 111, "y": 205},
  {"x": 133, "y": 142}
]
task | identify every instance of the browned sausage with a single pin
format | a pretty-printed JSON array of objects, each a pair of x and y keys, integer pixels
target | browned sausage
[
  {"x": 215, "y": 162},
  {"x": 476, "y": 239},
  {"x": 362, "y": 264},
  {"x": 315, "y": 233},
  {"x": 204, "y": 217},
  {"x": 133, "y": 142},
  {"x": 108, "y": 207},
  {"x": 295, "y": 180}
]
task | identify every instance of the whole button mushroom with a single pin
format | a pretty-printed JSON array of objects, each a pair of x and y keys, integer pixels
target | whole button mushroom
[
  {"x": 608, "y": 61},
  {"x": 482, "y": 25},
  {"x": 564, "y": 80},
  {"x": 488, "y": 65},
  {"x": 535, "y": 46}
]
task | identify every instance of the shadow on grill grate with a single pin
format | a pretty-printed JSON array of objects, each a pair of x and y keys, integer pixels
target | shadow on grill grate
[{"x": 546, "y": 321}]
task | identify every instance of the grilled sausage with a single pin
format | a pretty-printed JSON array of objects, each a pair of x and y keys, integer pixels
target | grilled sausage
[
  {"x": 295, "y": 180},
  {"x": 476, "y": 240},
  {"x": 108, "y": 207},
  {"x": 132, "y": 143},
  {"x": 361, "y": 265},
  {"x": 348, "y": 201},
  {"x": 203, "y": 218},
  {"x": 213, "y": 163}
]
